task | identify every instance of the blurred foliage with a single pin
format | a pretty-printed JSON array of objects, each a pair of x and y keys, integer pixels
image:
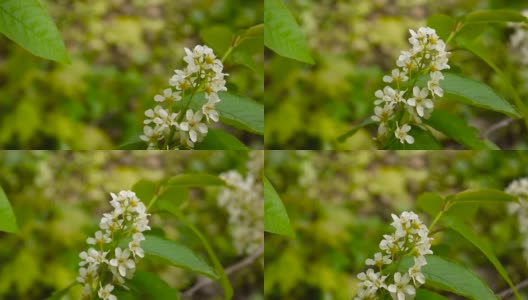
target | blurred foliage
[
  {"x": 123, "y": 53},
  {"x": 354, "y": 44},
  {"x": 59, "y": 197},
  {"x": 340, "y": 204}
]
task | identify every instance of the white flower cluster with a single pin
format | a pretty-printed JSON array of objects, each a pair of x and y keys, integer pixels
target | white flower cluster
[
  {"x": 519, "y": 188},
  {"x": 519, "y": 39},
  {"x": 410, "y": 239},
  {"x": 168, "y": 127},
  {"x": 243, "y": 198},
  {"x": 519, "y": 48},
  {"x": 105, "y": 264},
  {"x": 402, "y": 103}
]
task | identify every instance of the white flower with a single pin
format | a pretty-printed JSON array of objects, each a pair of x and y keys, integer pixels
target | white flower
[
  {"x": 193, "y": 125},
  {"x": 420, "y": 100},
  {"x": 434, "y": 84},
  {"x": 151, "y": 135},
  {"x": 105, "y": 293},
  {"x": 383, "y": 114},
  {"x": 168, "y": 96},
  {"x": 403, "y": 134},
  {"x": 379, "y": 260},
  {"x": 99, "y": 239},
  {"x": 396, "y": 76},
  {"x": 416, "y": 271},
  {"x": 122, "y": 261},
  {"x": 209, "y": 112},
  {"x": 401, "y": 289},
  {"x": 135, "y": 245}
]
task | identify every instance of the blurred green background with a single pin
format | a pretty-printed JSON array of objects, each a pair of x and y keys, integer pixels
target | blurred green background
[
  {"x": 355, "y": 43},
  {"x": 340, "y": 205},
  {"x": 123, "y": 53},
  {"x": 59, "y": 197}
]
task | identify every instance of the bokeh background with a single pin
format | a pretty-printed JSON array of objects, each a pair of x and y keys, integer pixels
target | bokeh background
[
  {"x": 123, "y": 53},
  {"x": 355, "y": 43},
  {"x": 59, "y": 197},
  {"x": 340, "y": 205}
]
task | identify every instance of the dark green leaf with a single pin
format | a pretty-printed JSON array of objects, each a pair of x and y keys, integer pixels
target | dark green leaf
[
  {"x": 353, "y": 131},
  {"x": 442, "y": 24},
  {"x": 423, "y": 140},
  {"x": 59, "y": 294},
  {"x": 483, "y": 195},
  {"x": 220, "y": 140},
  {"x": 457, "y": 129},
  {"x": 494, "y": 16},
  {"x": 430, "y": 203},
  {"x": 28, "y": 23},
  {"x": 176, "y": 255},
  {"x": 275, "y": 216},
  {"x": 149, "y": 286},
  {"x": 237, "y": 111},
  {"x": 145, "y": 190},
  {"x": 282, "y": 34},
  {"x": 195, "y": 180},
  {"x": 219, "y": 38},
  {"x": 7, "y": 217},
  {"x": 172, "y": 198},
  {"x": 445, "y": 275},
  {"x": 472, "y": 92},
  {"x": 422, "y": 294},
  {"x": 482, "y": 245}
]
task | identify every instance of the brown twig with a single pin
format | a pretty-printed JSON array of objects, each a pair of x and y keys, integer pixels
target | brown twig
[
  {"x": 229, "y": 271},
  {"x": 509, "y": 292},
  {"x": 498, "y": 126}
]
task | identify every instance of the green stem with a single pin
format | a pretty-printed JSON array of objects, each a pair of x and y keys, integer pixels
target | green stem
[{"x": 226, "y": 285}]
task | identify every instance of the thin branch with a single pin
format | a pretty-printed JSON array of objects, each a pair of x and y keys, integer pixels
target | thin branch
[
  {"x": 506, "y": 293},
  {"x": 229, "y": 271},
  {"x": 498, "y": 126}
]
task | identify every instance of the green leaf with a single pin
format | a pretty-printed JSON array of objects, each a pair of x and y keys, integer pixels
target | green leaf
[
  {"x": 472, "y": 92},
  {"x": 430, "y": 203},
  {"x": 494, "y": 16},
  {"x": 483, "y": 195},
  {"x": 457, "y": 129},
  {"x": 353, "y": 131},
  {"x": 282, "y": 34},
  {"x": 423, "y": 294},
  {"x": 423, "y": 140},
  {"x": 220, "y": 140},
  {"x": 172, "y": 198},
  {"x": 226, "y": 285},
  {"x": 7, "y": 217},
  {"x": 482, "y": 54},
  {"x": 195, "y": 180},
  {"x": 482, "y": 245},
  {"x": 275, "y": 216},
  {"x": 176, "y": 255},
  {"x": 218, "y": 38},
  {"x": 145, "y": 190},
  {"x": 445, "y": 275},
  {"x": 237, "y": 111},
  {"x": 28, "y": 23},
  {"x": 245, "y": 59},
  {"x": 61, "y": 293},
  {"x": 149, "y": 286},
  {"x": 442, "y": 24}
]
